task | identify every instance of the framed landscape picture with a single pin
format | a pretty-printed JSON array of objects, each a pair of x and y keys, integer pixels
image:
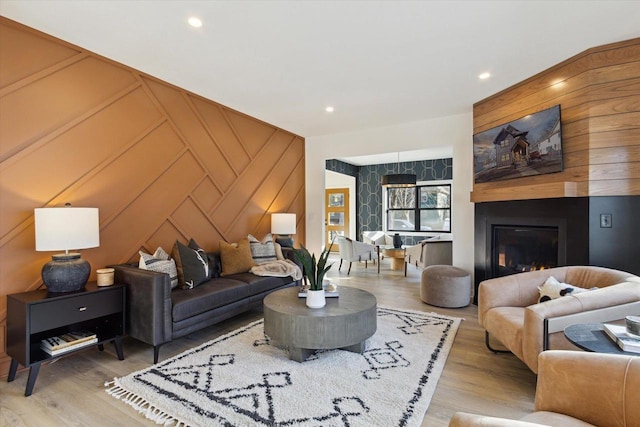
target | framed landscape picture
[{"x": 531, "y": 145}]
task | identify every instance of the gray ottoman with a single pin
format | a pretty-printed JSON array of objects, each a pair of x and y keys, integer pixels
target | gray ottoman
[{"x": 445, "y": 286}]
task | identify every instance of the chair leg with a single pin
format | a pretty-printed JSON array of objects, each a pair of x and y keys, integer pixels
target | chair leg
[
  {"x": 340, "y": 266},
  {"x": 405, "y": 269},
  {"x": 486, "y": 342},
  {"x": 365, "y": 263},
  {"x": 349, "y": 271}
]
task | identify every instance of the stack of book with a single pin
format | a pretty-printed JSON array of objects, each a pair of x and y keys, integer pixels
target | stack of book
[
  {"x": 624, "y": 340},
  {"x": 67, "y": 342}
]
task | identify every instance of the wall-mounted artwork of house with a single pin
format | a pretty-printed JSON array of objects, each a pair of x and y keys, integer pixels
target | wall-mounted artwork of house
[{"x": 531, "y": 145}]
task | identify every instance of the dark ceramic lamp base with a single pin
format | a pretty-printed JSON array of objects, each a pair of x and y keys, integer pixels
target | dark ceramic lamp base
[
  {"x": 66, "y": 273},
  {"x": 284, "y": 240}
]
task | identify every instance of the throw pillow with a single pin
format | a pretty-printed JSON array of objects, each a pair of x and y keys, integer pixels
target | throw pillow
[
  {"x": 192, "y": 265},
  {"x": 235, "y": 258},
  {"x": 279, "y": 254},
  {"x": 160, "y": 263},
  {"x": 262, "y": 251},
  {"x": 196, "y": 247},
  {"x": 552, "y": 289}
]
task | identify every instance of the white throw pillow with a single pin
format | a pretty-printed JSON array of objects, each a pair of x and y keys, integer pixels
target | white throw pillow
[
  {"x": 262, "y": 251},
  {"x": 552, "y": 289},
  {"x": 160, "y": 263}
]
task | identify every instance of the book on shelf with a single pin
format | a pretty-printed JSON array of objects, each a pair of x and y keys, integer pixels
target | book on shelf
[
  {"x": 624, "y": 340},
  {"x": 69, "y": 341}
]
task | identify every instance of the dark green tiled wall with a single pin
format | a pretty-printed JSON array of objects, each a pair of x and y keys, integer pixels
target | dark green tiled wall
[{"x": 369, "y": 191}]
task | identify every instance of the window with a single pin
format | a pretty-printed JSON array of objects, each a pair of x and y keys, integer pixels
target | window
[{"x": 420, "y": 208}]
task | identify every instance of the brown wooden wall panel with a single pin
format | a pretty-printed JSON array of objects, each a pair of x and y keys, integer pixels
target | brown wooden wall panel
[
  {"x": 599, "y": 96},
  {"x": 253, "y": 134},
  {"x": 207, "y": 195},
  {"x": 160, "y": 163},
  {"x": 183, "y": 116},
  {"x": 16, "y": 66},
  {"x": 70, "y": 156},
  {"x": 39, "y": 108},
  {"x": 217, "y": 125}
]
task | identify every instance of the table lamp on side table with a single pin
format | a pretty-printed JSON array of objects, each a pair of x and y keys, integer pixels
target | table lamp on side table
[
  {"x": 65, "y": 228},
  {"x": 283, "y": 225}
]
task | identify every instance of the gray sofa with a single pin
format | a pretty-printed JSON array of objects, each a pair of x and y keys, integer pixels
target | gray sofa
[{"x": 156, "y": 314}]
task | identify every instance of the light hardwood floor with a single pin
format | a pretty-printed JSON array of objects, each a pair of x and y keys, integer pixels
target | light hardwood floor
[{"x": 70, "y": 391}]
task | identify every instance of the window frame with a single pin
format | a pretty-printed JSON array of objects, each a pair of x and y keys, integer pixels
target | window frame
[{"x": 417, "y": 209}]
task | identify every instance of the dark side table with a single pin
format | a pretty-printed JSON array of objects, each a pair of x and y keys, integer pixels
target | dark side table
[
  {"x": 592, "y": 337},
  {"x": 37, "y": 315}
]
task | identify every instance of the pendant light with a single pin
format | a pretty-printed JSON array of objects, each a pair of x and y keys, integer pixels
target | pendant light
[{"x": 398, "y": 179}]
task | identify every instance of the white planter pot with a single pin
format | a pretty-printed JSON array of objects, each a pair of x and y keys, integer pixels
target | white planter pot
[{"x": 315, "y": 299}]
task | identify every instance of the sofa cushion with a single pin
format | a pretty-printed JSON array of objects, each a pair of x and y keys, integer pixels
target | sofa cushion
[
  {"x": 235, "y": 259},
  {"x": 192, "y": 264},
  {"x": 506, "y": 324},
  {"x": 258, "y": 284},
  {"x": 208, "y": 296},
  {"x": 159, "y": 262},
  {"x": 262, "y": 251},
  {"x": 552, "y": 289}
]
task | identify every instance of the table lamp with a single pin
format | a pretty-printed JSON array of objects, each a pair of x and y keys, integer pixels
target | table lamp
[
  {"x": 283, "y": 225},
  {"x": 65, "y": 228}
]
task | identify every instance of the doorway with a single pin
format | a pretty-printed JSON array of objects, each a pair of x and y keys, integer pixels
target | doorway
[{"x": 337, "y": 214}]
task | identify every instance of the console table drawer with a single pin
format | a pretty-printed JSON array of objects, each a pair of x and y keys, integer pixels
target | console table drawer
[{"x": 52, "y": 314}]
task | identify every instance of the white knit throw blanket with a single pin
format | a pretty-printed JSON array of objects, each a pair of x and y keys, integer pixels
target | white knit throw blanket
[{"x": 279, "y": 268}]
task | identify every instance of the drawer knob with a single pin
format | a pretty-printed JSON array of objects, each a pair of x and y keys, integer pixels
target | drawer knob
[{"x": 82, "y": 308}]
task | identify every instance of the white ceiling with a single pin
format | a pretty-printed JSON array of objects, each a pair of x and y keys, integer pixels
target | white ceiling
[{"x": 379, "y": 63}]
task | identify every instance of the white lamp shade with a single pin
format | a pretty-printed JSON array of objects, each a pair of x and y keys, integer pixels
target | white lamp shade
[
  {"x": 283, "y": 223},
  {"x": 66, "y": 228}
]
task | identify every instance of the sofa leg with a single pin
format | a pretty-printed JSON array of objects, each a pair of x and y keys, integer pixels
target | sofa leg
[
  {"x": 486, "y": 342},
  {"x": 340, "y": 266},
  {"x": 365, "y": 263},
  {"x": 349, "y": 271},
  {"x": 156, "y": 353}
]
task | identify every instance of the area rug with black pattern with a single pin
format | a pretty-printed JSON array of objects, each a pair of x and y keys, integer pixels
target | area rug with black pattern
[{"x": 239, "y": 379}]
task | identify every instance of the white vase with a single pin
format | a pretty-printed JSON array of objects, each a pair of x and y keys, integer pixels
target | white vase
[{"x": 315, "y": 299}]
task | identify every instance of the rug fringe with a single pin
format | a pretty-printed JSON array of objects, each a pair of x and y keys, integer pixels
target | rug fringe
[{"x": 141, "y": 405}]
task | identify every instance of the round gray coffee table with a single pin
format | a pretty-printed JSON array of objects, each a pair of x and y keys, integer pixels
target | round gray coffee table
[{"x": 345, "y": 322}]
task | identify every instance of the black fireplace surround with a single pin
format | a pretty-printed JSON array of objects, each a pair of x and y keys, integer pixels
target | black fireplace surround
[{"x": 527, "y": 229}]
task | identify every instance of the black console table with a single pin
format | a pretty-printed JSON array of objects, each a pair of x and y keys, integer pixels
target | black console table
[{"x": 37, "y": 315}]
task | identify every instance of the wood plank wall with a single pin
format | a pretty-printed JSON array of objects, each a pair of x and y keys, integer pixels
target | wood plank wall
[
  {"x": 599, "y": 96},
  {"x": 159, "y": 162}
]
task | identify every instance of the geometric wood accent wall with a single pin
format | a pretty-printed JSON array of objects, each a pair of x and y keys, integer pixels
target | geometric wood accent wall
[
  {"x": 159, "y": 162},
  {"x": 599, "y": 96}
]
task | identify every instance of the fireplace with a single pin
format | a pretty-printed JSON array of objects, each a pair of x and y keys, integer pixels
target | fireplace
[
  {"x": 600, "y": 231},
  {"x": 522, "y": 248},
  {"x": 525, "y": 235}
]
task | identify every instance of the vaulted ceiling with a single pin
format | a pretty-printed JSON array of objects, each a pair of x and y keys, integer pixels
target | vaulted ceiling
[{"x": 378, "y": 63}]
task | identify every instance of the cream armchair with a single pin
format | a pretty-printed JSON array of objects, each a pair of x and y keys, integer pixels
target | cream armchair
[
  {"x": 377, "y": 238},
  {"x": 434, "y": 251},
  {"x": 352, "y": 250},
  {"x": 577, "y": 388},
  {"x": 509, "y": 312}
]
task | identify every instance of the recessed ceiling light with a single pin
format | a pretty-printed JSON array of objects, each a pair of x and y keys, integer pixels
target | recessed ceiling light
[
  {"x": 195, "y": 22},
  {"x": 329, "y": 109},
  {"x": 484, "y": 76}
]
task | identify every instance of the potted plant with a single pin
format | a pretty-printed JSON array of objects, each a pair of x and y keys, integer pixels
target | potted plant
[{"x": 313, "y": 272}]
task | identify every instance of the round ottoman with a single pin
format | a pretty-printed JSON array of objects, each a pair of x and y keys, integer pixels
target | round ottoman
[{"x": 445, "y": 286}]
